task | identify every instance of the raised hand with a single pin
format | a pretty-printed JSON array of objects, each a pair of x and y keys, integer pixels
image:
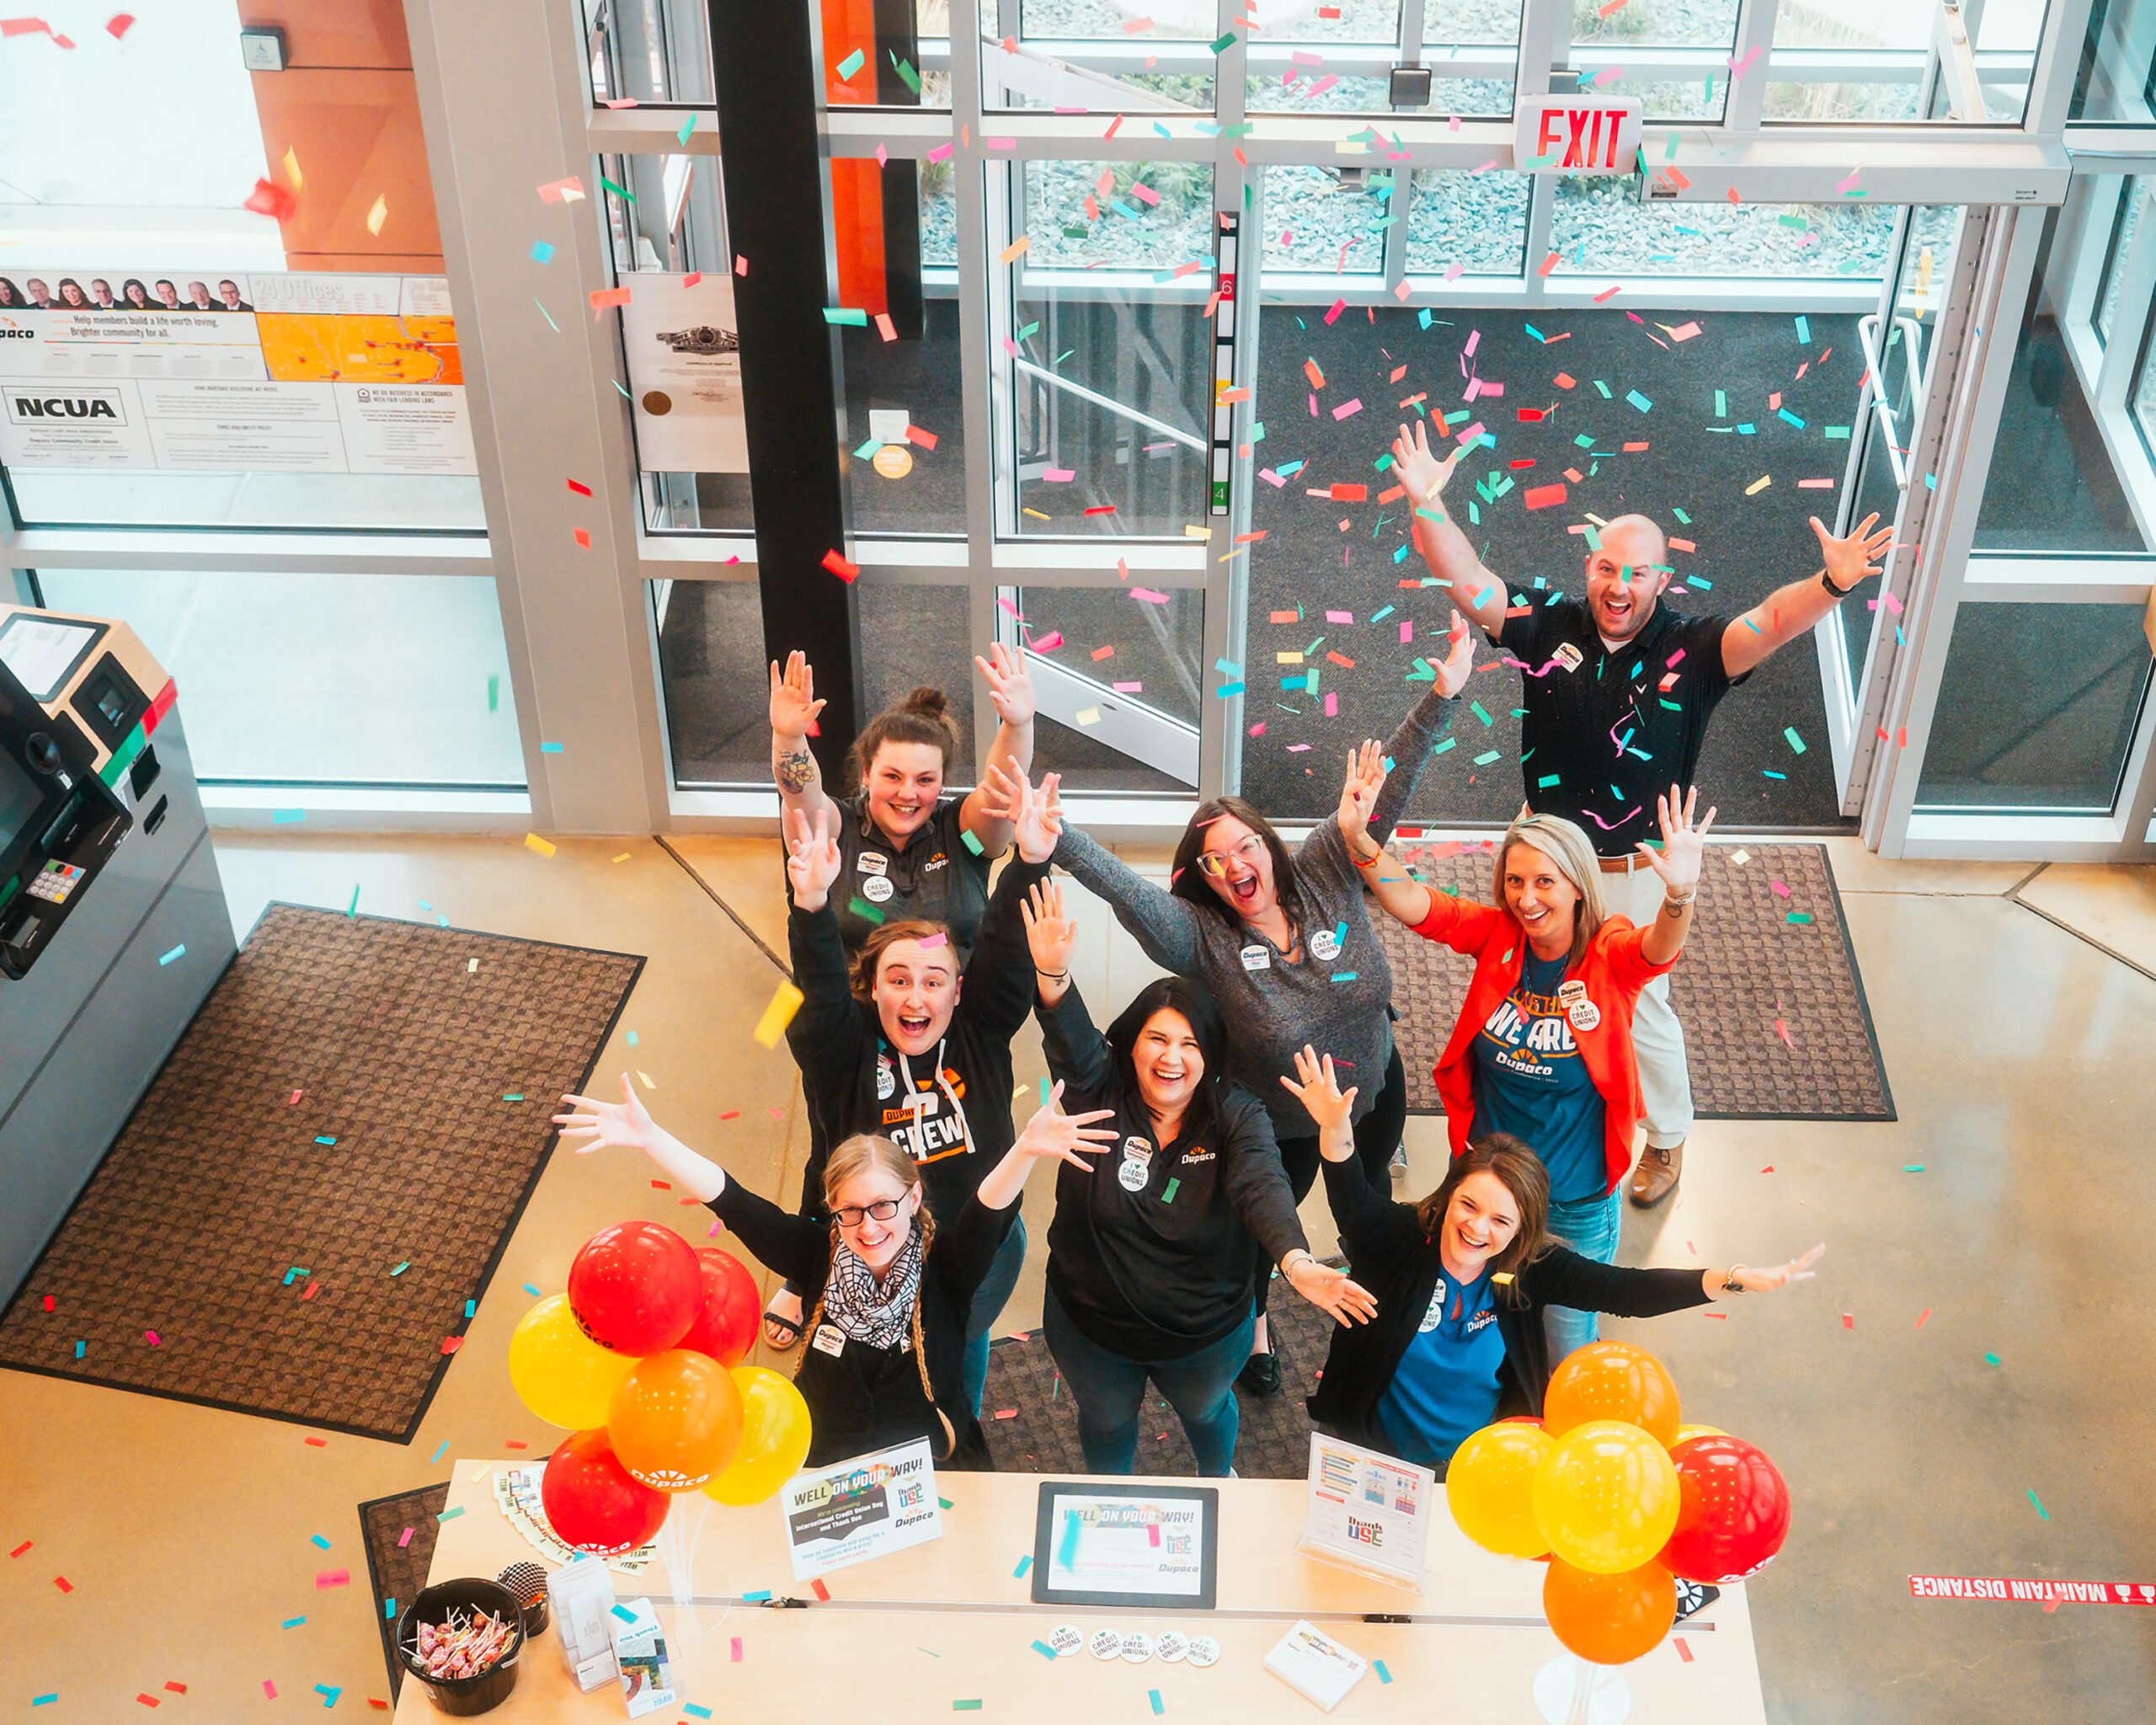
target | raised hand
[
  {"x": 1849, "y": 560},
  {"x": 1036, "y": 816},
  {"x": 812, "y": 856},
  {"x": 1009, "y": 683},
  {"x": 1053, "y": 1133},
  {"x": 1797, "y": 1269},
  {"x": 1358, "y": 792},
  {"x": 1316, "y": 1087},
  {"x": 1418, "y": 467},
  {"x": 1049, "y": 933},
  {"x": 794, "y": 705},
  {"x": 1458, "y": 664},
  {"x": 1683, "y": 846},
  {"x": 1332, "y": 1291},
  {"x": 609, "y": 1126}
]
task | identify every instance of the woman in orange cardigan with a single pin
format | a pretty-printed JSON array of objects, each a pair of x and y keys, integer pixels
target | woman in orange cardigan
[{"x": 1543, "y": 1049}]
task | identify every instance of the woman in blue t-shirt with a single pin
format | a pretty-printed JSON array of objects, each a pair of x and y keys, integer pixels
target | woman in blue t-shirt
[{"x": 1461, "y": 1279}]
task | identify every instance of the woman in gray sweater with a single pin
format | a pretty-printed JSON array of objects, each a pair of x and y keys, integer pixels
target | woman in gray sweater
[{"x": 1283, "y": 943}]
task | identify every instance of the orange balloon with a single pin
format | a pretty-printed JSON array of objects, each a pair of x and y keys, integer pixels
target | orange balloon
[
  {"x": 1490, "y": 1487},
  {"x": 1609, "y": 1620},
  {"x": 675, "y": 1420},
  {"x": 1612, "y": 1381},
  {"x": 1686, "y": 1432}
]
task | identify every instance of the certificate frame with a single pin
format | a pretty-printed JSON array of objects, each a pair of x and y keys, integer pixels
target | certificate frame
[{"x": 1206, "y": 1498}]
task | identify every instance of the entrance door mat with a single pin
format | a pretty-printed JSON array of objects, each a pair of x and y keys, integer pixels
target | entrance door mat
[
  {"x": 1775, "y": 1023},
  {"x": 398, "y": 1533},
  {"x": 324, "y": 1172}
]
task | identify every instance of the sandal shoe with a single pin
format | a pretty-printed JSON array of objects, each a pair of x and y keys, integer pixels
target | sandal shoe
[
  {"x": 1657, "y": 1176},
  {"x": 793, "y": 1332}
]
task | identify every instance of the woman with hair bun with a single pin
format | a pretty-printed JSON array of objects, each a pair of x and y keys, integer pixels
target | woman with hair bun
[
  {"x": 907, "y": 849},
  {"x": 892, "y": 1292}
]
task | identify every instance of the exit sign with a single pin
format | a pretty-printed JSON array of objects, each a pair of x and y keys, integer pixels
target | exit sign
[{"x": 1582, "y": 133}]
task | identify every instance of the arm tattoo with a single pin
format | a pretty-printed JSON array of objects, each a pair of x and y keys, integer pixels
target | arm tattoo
[{"x": 795, "y": 772}]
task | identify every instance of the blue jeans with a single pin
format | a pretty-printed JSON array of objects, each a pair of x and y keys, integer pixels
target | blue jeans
[
  {"x": 989, "y": 1302},
  {"x": 1590, "y": 1229},
  {"x": 1110, "y": 1391}
]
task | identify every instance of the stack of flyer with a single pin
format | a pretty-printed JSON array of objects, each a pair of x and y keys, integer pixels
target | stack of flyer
[{"x": 1315, "y": 1665}]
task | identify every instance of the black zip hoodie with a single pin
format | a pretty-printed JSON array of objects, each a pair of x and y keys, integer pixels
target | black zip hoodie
[
  {"x": 856, "y": 1082},
  {"x": 1389, "y": 1254},
  {"x": 1162, "y": 1272}
]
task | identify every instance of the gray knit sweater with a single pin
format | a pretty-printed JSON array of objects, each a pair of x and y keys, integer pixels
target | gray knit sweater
[{"x": 1335, "y": 997}]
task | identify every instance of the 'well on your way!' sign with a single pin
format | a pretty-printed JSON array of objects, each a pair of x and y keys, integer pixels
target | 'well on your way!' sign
[{"x": 1579, "y": 133}]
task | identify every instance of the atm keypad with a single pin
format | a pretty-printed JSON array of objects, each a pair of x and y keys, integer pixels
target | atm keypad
[{"x": 55, "y": 881}]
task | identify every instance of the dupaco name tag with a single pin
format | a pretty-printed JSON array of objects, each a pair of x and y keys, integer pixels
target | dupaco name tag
[
  {"x": 831, "y": 1339},
  {"x": 1568, "y": 655},
  {"x": 872, "y": 863},
  {"x": 1584, "y": 1014},
  {"x": 1255, "y": 957},
  {"x": 1570, "y": 992}
]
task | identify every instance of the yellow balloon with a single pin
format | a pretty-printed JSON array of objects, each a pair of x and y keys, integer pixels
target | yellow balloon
[
  {"x": 1685, "y": 1432},
  {"x": 1490, "y": 1486},
  {"x": 559, "y": 1373},
  {"x": 775, "y": 1435},
  {"x": 1606, "y": 1498}
]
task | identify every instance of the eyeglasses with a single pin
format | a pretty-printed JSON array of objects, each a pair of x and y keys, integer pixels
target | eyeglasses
[
  {"x": 851, "y": 1215},
  {"x": 1215, "y": 862}
]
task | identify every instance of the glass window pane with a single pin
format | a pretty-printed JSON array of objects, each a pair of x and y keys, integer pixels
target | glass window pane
[
  {"x": 656, "y": 52},
  {"x": 2144, "y": 388},
  {"x": 1474, "y": 223},
  {"x": 915, "y": 634},
  {"x": 1333, "y": 219},
  {"x": 2117, "y": 85},
  {"x": 2008, "y": 35},
  {"x": 2003, "y": 740},
  {"x": 311, "y": 680},
  {"x": 2052, "y": 487},
  {"x": 1599, "y": 228},
  {"x": 1297, "y": 88},
  {"x": 1089, "y": 57},
  {"x": 2125, "y": 221},
  {"x": 1120, "y": 693},
  {"x": 1109, "y": 369},
  {"x": 906, "y": 463},
  {"x": 712, "y": 679},
  {"x": 294, "y": 365},
  {"x": 868, "y": 63},
  {"x": 1839, "y": 61},
  {"x": 1606, "y": 37}
]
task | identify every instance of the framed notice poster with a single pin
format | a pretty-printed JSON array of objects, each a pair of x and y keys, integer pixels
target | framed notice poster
[
  {"x": 1368, "y": 1511},
  {"x": 851, "y": 1511},
  {"x": 684, "y": 352},
  {"x": 1105, "y": 1545}
]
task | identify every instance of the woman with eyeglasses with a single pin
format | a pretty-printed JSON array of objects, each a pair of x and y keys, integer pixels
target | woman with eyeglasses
[
  {"x": 1543, "y": 1049},
  {"x": 1283, "y": 944},
  {"x": 891, "y": 1295},
  {"x": 902, "y": 1041},
  {"x": 1152, "y": 1254}
]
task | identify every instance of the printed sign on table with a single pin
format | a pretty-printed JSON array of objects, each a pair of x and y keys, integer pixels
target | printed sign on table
[
  {"x": 850, "y": 1512},
  {"x": 1368, "y": 1511}
]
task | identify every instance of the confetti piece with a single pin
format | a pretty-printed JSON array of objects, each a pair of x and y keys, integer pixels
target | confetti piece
[
  {"x": 1758, "y": 485},
  {"x": 62, "y": 1582},
  {"x": 270, "y": 1689},
  {"x": 332, "y": 1577},
  {"x": 177, "y": 1688},
  {"x": 1848, "y": 1321},
  {"x": 153, "y": 1335},
  {"x": 840, "y": 566},
  {"x": 21, "y": 1548},
  {"x": 1683, "y": 1653},
  {"x": 1922, "y": 1316},
  {"x": 1377, "y": 1666},
  {"x": 532, "y": 842},
  {"x": 778, "y": 1014},
  {"x": 316, "y": 1443},
  {"x": 2039, "y": 1503},
  {"x": 317, "y": 1539},
  {"x": 974, "y": 1706},
  {"x": 450, "y": 1514},
  {"x": 695, "y": 1712},
  {"x": 294, "y": 1622},
  {"x": 1025, "y": 1563},
  {"x": 737, "y": 1650},
  {"x": 378, "y": 215},
  {"x": 178, "y": 952}
]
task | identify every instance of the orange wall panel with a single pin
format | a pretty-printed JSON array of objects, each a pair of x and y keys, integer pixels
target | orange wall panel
[{"x": 355, "y": 135}]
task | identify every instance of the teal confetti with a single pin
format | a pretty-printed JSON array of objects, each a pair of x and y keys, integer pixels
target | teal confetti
[
  {"x": 286, "y": 817},
  {"x": 450, "y": 1514},
  {"x": 1638, "y": 400},
  {"x": 967, "y": 839},
  {"x": 628, "y": 1616},
  {"x": 178, "y": 952},
  {"x": 1795, "y": 742},
  {"x": 531, "y": 1290},
  {"x": 1378, "y": 1665},
  {"x": 548, "y": 315},
  {"x": 1168, "y": 1191},
  {"x": 633, "y": 1038},
  {"x": 470, "y": 1308},
  {"x": 2039, "y": 1503},
  {"x": 1804, "y": 332},
  {"x": 317, "y": 1539},
  {"x": 756, "y": 1599},
  {"x": 1041, "y": 1646},
  {"x": 542, "y": 253},
  {"x": 353, "y": 909},
  {"x": 389, "y": 1608},
  {"x": 326, "y": 1141},
  {"x": 1800, "y": 917},
  {"x": 695, "y": 1712},
  {"x": 1991, "y": 1359},
  {"x": 1025, "y": 1563},
  {"x": 444, "y": 1451},
  {"x": 688, "y": 125},
  {"x": 1154, "y": 1696},
  {"x": 1913, "y": 1168},
  {"x": 852, "y": 64},
  {"x": 294, "y": 1623},
  {"x": 398, "y": 1271}
]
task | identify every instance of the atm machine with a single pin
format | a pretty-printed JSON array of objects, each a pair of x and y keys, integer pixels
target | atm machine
[{"x": 113, "y": 925}]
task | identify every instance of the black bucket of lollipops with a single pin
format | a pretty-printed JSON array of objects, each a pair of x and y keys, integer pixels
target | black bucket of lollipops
[{"x": 463, "y": 1640}]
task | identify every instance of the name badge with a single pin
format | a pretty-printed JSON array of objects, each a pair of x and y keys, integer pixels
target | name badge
[
  {"x": 1584, "y": 1015},
  {"x": 1256, "y": 958},
  {"x": 1570, "y": 992},
  {"x": 1569, "y": 656},
  {"x": 831, "y": 1339},
  {"x": 872, "y": 863}
]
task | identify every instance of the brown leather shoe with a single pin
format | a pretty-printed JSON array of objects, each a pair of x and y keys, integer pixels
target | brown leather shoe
[{"x": 1656, "y": 1177}]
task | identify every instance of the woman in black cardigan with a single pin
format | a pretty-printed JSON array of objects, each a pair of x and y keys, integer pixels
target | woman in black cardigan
[
  {"x": 1461, "y": 1279},
  {"x": 889, "y": 1293}
]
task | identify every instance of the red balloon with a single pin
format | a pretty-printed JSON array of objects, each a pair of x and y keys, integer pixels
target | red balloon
[
  {"x": 592, "y": 1502},
  {"x": 725, "y": 1324},
  {"x": 1733, "y": 1511},
  {"x": 635, "y": 1288}
]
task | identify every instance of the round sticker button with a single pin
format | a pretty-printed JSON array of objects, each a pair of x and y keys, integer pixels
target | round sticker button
[
  {"x": 1137, "y": 1648},
  {"x": 877, "y": 888},
  {"x": 1170, "y": 1647},
  {"x": 1585, "y": 1015},
  {"x": 1203, "y": 1650},
  {"x": 1132, "y": 1175},
  {"x": 1105, "y": 1644},
  {"x": 1066, "y": 1639}
]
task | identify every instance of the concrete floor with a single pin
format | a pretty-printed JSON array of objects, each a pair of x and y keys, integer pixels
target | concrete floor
[{"x": 2016, "y": 1042}]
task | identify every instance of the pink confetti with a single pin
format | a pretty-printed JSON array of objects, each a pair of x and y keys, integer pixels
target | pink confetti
[
  {"x": 1049, "y": 643},
  {"x": 1347, "y": 407},
  {"x": 153, "y": 1335},
  {"x": 404, "y": 1538},
  {"x": 332, "y": 1577},
  {"x": 270, "y": 1689},
  {"x": 1149, "y": 595},
  {"x": 737, "y": 1649}
]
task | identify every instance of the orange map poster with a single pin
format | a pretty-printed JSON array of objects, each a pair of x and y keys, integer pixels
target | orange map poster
[{"x": 318, "y": 347}]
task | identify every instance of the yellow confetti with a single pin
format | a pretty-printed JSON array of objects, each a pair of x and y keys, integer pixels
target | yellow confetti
[
  {"x": 482, "y": 1470},
  {"x": 1740, "y": 857},
  {"x": 1287, "y": 659},
  {"x": 1191, "y": 532},
  {"x": 378, "y": 215},
  {"x": 646, "y": 1076},
  {"x": 292, "y": 170},
  {"x": 778, "y": 1015},
  {"x": 471, "y": 969},
  {"x": 623, "y": 857},
  {"x": 1036, "y": 515},
  {"x": 1089, "y": 715},
  {"x": 1759, "y": 484},
  {"x": 532, "y": 842},
  {"x": 1010, "y": 254}
]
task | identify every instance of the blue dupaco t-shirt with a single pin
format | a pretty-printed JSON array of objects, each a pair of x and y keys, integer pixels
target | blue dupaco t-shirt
[
  {"x": 1445, "y": 1387},
  {"x": 1530, "y": 1081}
]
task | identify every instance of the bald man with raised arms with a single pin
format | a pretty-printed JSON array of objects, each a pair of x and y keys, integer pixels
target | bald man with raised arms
[{"x": 1618, "y": 691}]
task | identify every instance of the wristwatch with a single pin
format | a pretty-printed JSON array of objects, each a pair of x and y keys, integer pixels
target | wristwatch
[
  {"x": 1826, "y": 582},
  {"x": 1730, "y": 1285}
]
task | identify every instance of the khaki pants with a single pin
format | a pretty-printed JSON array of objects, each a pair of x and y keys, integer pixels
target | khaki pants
[{"x": 1658, "y": 1038}]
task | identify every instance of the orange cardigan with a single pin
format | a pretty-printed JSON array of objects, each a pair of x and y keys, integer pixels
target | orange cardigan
[{"x": 1615, "y": 971}]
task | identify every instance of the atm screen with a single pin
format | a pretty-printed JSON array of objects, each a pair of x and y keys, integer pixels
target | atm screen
[
  {"x": 20, "y": 798},
  {"x": 44, "y": 651}
]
